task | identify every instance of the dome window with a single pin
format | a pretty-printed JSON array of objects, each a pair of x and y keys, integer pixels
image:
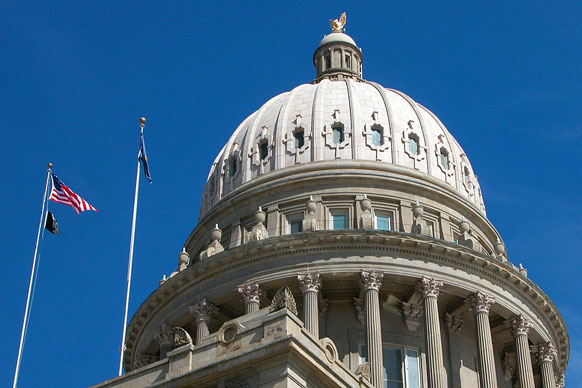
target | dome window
[
  {"x": 263, "y": 150},
  {"x": 413, "y": 144},
  {"x": 377, "y": 136},
  {"x": 444, "y": 158},
  {"x": 233, "y": 167},
  {"x": 338, "y": 134},
  {"x": 348, "y": 61},
  {"x": 299, "y": 138},
  {"x": 327, "y": 62}
]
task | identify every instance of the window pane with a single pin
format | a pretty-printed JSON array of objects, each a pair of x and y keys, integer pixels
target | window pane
[
  {"x": 376, "y": 136},
  {"x": 383, "y": 222},
  {"x": 233, "y": 167},
  {"x": 264, "y": 150},
  {"x": 299, "y": 139},
  {"x": 296, "y": 226},
  {"x": 340, "y": 221},
  {"x": 392, "y": 367},
  {"x": 338, "y": 135},
  {"x": 413, "y": 145},
  {"x": 412, "y": 372},
  {"x": 444, "y": 159}
]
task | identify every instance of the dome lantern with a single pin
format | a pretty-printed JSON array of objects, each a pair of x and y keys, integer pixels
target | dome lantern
[{"x": 337, "y": 57}]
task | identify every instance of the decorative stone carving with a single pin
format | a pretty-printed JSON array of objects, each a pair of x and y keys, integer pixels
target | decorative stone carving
[
  {"x": 441, "y": 146},
  {"x": 509, "y": 365},
  {"x": 250, "y": 292},
  {"x": 259, "y": 231},
  {"x": 181, "y": 337},
  {"x": 368, "y": 133},
  {"x": 429, "y": 287},
  {"x": 546, "y": 353},
  {"x": 214, "y": 247},
  {"x": 327, "y": 133},
  {"x": 255, "y": 155},
  {"x": 419, "y": 225},
  {"x": 466, "y": 238},
  {"x": 142, "y": 359},
  {"x": 500, "y": 250},
  {"x": 412, "y": 131},
  {"x": 360, "y": 313},
  {"x": 183, "y": 261},
  {"x": 481, "y": 302},
  {"x": 371, "y": 280},
  {"x": 364, "y": 371},
  {"x": 237, "y": 383},
  {"x": 329, "y": 349},
  {"x": 203, "y": 311},
  {"x": 454, "y": 323},
  {"x": 171, "y": 338},
  {"x": 412, "y": 315},
  {"x": 165, "y": 335},
  {"x": 310, "y": 282},
  {"x": 337, "y": 25},
  {"x": 559, "y": 378},
  {"x": 310, "y": 220},
  {"x": 284, "y": 299},
  {"x": 520, "y": 325},
  {"x": 522, "y": 270},
  {"x": 367, "y": 218},
  {"x": 289, "y": 140}
]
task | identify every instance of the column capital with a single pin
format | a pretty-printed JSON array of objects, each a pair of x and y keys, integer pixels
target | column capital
[
  {"x": 520, "y": 325},
  {"x": 481, "y": 302},
  {"x": 371, "y": 280},
  {"x": 250, "y": 292},
  {"x": 310, "y": 282},
  {"x": 203, "y": 311},
  {"x": 546, "y": 352},
  {"x": 429, "y": 287}
]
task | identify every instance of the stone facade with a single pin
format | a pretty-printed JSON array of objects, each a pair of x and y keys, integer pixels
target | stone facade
[{"x": 361, "y": 189}]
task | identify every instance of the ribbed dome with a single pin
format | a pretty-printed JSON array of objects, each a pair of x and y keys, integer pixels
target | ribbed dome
[{"x": 340, "y": 120}]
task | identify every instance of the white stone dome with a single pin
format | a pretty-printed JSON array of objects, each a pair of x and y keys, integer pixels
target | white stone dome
[{"x": 378, "y": 124}]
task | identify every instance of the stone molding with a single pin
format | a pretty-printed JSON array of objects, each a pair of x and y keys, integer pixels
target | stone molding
[
  {"x": 364, "y": 371},
  {"x": 481, "y": 302},
  {"x": 371, "y": 280},
  {"x": 310, "y": 282},
  {"x": 429, "y": 287},
  {"x": 203, "y": 311},
  {"x": 520, "y": 325},
  {"x": 250, "y": 292},
  {"x": 545, "y": 352},
  {"x": 237, "y": 383},
  {"x": 284, "y": 299}
]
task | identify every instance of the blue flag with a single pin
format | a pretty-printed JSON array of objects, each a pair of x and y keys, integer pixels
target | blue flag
[{"x": 143, "y": 158}]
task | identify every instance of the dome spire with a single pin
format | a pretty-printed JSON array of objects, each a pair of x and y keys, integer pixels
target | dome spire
[{"x": 337, "y": 57}]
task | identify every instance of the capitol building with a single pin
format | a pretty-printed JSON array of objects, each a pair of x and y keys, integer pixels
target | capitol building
[{"x": 343, "y": 241}]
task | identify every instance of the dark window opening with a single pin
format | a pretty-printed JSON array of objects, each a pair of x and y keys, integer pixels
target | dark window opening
[
  {"x": 299, "y": 139},
  {"x": 233, "y": 167},
  {"x": 338, "y": 134},
  {"x": 377, "y": 136},
  {"x": 264, "y": 150}
]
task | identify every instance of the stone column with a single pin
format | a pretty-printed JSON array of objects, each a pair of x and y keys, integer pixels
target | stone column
[
  {"x": 430, "y": 289},
  {"x": 371, "y": 283},
  {"x": 520, "y": 326},
  {"x": 250, "y": 294},
  {"x": 203, "y": 312},
  {"x": 310, "y": 284},
  {"x": 481, "y": 304},
  {"x": 546, "y": 354}
]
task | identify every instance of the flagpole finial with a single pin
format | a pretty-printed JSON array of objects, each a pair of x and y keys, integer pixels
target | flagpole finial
[
  {"x": 50, "y": 165},
  {"x": 142, "y": 120}
]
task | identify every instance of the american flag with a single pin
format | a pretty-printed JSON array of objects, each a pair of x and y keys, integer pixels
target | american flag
[{"x": 62, "y": 194}]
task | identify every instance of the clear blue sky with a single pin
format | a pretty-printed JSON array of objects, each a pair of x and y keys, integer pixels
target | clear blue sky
[{"x": 504, "y": 77}]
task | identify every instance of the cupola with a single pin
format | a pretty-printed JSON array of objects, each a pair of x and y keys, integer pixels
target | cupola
[{"x": 337, "y": 57}]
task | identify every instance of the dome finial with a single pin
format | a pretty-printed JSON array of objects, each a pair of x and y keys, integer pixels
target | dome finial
[{"x": 337, "y": 25}]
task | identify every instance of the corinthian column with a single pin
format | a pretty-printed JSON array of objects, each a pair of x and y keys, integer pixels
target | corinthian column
[
  {"x": 250, "y": 294},
  {"x": 310, "y": 284},
  {"x": 481, "y": 304},
  {"x": 546, "y": 354},
  {"x": 371, "y": 283},
  {"x": 202, "y": 312},
  {"x": 430, "y": 289},
  {"x": 520, "y": 326}
]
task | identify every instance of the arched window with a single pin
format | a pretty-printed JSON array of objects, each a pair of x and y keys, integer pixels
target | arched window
[
  {"x": 444, "y": 158},
  {"x": 413, "y": 144},
  {"x": 377, "y": 136},
  {"x": 263, "y": 150},
  {"x": 327, "y": 62},
  {"x": 299, "y": 138},
  {"x": 348, "y": 61},
  {"x": 338, "y": 134}
]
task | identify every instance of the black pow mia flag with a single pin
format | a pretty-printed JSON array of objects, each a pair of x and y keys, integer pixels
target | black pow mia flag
[{"x": 51, "y": 224}]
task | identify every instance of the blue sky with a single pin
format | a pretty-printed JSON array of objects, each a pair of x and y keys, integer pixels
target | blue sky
[{"x": 505, "y": 78}]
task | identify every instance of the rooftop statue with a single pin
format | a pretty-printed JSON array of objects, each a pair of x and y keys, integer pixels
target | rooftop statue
[{"x": 337, "y": 25}]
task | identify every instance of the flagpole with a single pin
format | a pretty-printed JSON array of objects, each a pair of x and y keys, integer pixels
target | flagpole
[
  {"x": 28, "y": 298},
  {"x": 130, "y": 263}
]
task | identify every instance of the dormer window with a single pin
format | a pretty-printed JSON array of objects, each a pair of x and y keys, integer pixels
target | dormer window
[
  {"x": 263, "y": 150},
  {"x": 338, "y": 134},
  {"x": 377, "y": 136},
  {"x": 413, "y": 144},
  {"x": 444, "y": 158},
  {"x": 299, "y": 138}
]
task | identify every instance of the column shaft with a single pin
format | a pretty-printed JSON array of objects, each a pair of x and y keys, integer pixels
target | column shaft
[
  {"x": 548, "y": 379},
  {"x": 434, "y": 348},
  {"x": 374, "y": 337},
  {"x": 485, "y": 350},
  {"x": 311, "y": 313},
  {"x": 524, "y": 369},
  {"x": 201, "y": 331},
  {"x": 252, "y": 307}
]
